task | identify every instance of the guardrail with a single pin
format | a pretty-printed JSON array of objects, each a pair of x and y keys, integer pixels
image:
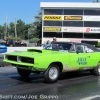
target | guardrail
[{"x": 12, "y": 49}]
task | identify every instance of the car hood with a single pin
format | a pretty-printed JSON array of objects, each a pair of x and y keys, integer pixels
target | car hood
[{"x": 34, "y": 52}]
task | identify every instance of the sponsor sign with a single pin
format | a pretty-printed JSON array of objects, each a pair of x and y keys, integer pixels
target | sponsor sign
[
  {"x": 72, "y": 29},
  {"x": 52, "y": 17},
  {"x": 91, "y": 18},
  {"x": 92, "y": 30},
  {"x": 52, "y": 29},
  {"x": 74, "y": 40},
  {"x": 73, "y": 18}
]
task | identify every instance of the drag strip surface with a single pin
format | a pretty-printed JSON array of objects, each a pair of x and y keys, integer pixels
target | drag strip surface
[{"x": 70, "y": 86}]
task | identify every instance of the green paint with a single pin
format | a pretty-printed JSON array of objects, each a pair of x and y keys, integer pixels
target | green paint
[{"x": 43, "y": 58}]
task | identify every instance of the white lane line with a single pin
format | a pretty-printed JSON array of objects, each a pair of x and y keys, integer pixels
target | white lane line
[{"x": 90, "y": 98}]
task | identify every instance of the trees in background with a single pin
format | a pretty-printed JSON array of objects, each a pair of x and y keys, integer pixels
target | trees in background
[
  {"x": 95, "y": 0},
  {"x": 24, "y": 31},
  {"x": 35, "y": 29},
  {"x": 21, "y": 30},
  {"x": 2, "y": 31}
]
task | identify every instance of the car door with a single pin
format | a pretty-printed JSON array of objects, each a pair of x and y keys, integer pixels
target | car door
[
  {"x": 78, "y": 57},
  {"x": 91, "y": 56}
]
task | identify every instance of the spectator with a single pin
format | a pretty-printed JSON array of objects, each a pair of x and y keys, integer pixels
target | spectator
[
  {"x": 47, "y": 42},
  {"x": 54, "y": 39}
]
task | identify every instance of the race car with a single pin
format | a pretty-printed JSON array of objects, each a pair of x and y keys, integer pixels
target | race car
[
  {"x": 55, "y": 58},
  {"x": 3, "y": 48}
]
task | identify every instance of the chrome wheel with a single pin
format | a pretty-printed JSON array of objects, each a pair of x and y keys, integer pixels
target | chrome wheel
[
  {"x": 53, "y": 73},
  {"x": 96, "y": 70}
]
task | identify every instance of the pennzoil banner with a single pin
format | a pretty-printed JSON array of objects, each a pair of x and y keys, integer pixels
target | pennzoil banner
[
  {"x": 52, "y": 29},
  {"x": 52, "y": 17},
  {"x": 73, "y": 18}
]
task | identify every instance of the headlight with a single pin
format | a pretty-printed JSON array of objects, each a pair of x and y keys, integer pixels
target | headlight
[
  {"x": 5, "y": 56},
  {"x": 18, "y": 58}
]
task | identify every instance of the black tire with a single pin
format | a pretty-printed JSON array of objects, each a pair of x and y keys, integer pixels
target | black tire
[
  {"x": 47, "y": 73},
  {"x": 96, "y": 70},
  {"x": 23, "y": 72}
]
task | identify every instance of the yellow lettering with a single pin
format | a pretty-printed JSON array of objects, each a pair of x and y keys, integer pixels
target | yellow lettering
[
  {"x": 52, "y": 29},
  {"x": 73, "y": 18},
  {"x": 52, "y": 17}
]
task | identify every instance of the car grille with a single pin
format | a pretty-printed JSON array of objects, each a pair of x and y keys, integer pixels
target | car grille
[
  {"x": 13, "y": 58},
  {"x": 27, "y": 60},
  {"x": 20, "y": 59}
]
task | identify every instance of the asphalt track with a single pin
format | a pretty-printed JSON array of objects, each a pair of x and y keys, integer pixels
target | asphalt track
[
  {"x": 2, "y": 64},
  {"x": 70, "y": 86}
]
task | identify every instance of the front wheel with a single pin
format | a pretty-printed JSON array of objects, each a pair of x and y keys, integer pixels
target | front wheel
[
  {"x": 23, "y": 72},
  {"x": 52, "y": 73},
  {"x": 96, "y": 70}
]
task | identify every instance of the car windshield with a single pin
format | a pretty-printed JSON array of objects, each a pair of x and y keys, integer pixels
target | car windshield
[{"x": 58, "y": 46}]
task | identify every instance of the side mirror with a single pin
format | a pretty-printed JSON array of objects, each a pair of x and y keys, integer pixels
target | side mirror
[{"x": 77, "y": 51}]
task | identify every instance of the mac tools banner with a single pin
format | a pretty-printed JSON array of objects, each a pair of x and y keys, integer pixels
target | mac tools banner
[{"x": 72, "y": 29}]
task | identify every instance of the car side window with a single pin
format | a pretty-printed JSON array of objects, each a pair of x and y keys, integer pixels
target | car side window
[
  {"x": 79, "y": 48},
  {"x": 72, "y": 49},
  {"x": 88, "y": 49}
]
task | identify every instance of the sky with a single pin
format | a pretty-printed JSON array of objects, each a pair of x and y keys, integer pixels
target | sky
[{"x": 24, "y": 9}]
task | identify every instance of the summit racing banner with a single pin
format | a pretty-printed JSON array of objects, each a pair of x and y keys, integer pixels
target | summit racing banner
[
  {"x": 52, "y": 17},
  {"x": 73, "y": 18},
  {"x": 92, "y": 30}
]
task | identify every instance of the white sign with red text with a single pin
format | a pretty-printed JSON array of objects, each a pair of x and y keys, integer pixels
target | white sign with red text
[
  {"x": 92, "y": 30},
  {"x": 72, "y": 29},
  {"x": 74, "y": 40}
]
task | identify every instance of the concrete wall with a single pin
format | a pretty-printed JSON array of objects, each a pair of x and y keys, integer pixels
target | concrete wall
[{"x": 44, "y": 40}]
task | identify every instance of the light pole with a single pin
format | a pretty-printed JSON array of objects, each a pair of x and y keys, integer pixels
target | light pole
[
  {"x": 6, "y": 25},
  {"x": 15, "y": 29},
  {"x": 28, "y": 34}
]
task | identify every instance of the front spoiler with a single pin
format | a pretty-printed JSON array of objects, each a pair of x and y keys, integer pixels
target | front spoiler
[
  {"x": 21, "y": 65},
  {"x": 32, "y": 67}
]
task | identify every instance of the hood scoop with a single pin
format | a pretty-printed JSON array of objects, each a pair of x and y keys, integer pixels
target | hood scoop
[{"x": 34, "y": 50}]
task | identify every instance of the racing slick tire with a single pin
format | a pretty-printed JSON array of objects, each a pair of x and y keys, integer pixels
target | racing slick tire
[
  {"x": 23, "y": 72},
  {"x": 96, "y": 70},
  {"x": 52, "y": 73}
]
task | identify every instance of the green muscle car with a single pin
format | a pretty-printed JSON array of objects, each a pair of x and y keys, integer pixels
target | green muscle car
[{"x": 55, "y": 58}]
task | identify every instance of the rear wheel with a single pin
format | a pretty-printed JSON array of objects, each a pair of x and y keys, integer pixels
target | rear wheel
[
  {"x": 96, "y": 70},
  {"x": 52, "y": 73},
  {"x": 23, "y": 72}
]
